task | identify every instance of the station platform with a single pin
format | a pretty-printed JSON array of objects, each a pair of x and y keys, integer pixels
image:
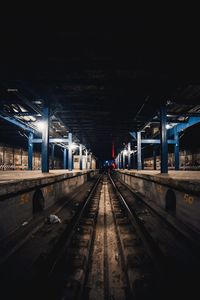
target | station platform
[
  {"x": 186, "y": 180},
  {"x": 24, "y": 193},
  {"x": 7, "y": 176},
  {"x": 176, "y": 193}
]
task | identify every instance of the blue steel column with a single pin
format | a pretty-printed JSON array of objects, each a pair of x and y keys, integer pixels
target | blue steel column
[
  {"x": 70, "y": 152},
  {"x": 124, "y": 160},
  {"x": 65, "y": 158},
  {"x": 81, "y": 157},
  {"x": 118, "y": 161},
  {"x": 86, "y": 159},
  {"x": 139, "y": 158},
  {"x": 30, "y": 151},
  {"x": 164, "y": 145},
  {"x": 176, "y": 149},
  {"x": 129, "y": 156},
  {"x": 52, "y": 155},
  {"x": 45, "y": 141},
  {"x": 91, "y": 161},
  {"x": 154, "y": 157}
]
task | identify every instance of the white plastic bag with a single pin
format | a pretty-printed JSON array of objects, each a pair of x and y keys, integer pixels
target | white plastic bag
[{"x": 54, "y": 219}]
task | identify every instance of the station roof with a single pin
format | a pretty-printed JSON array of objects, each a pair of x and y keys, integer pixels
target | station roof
[{"x": 102, "y": 77}]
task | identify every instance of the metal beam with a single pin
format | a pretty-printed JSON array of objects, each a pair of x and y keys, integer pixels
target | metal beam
[
  {"x": 86, "y": 159},
  {"x": 176, "y": 149},
  {"x": 30, "y": 151},
  {"x": 81, "y": 157},
  {"x": 154, "y": 158},
  {"x": 139, "y": 158},
  {"x": 155, "y": 141},
  {"x": 45, "y": 141},
  {"x": 133, "y": 134},
  {"x": 123, "y": 160},
  {"x": 70, "y": 152},
  {"x": 18, "y": 123},
  {"x": 65, "y": 158},
  {"x": 164, "y": 146},
  {"x": 52, "y": 140},
  {"x": 182, "y": 126},
  {"x": 52, "y": 155},
  {"x": 129, "y": 156}
]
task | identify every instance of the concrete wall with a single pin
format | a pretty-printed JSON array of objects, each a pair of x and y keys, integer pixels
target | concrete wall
[
  {"x": 17, "y": 198},
  {"x": 155, "y": 189}
]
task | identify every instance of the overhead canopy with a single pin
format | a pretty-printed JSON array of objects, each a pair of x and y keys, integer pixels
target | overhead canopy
[{"x": 102, "y": 77}]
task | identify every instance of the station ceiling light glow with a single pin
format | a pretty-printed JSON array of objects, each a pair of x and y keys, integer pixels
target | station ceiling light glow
[{"x": 40, "y": 125}]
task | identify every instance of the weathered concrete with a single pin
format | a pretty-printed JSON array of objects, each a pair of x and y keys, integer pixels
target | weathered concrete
[
  {"x": 183, "y": 187},
  {"x": 24, "y": 193}
]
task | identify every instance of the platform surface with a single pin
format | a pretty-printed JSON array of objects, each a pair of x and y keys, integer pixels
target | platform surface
[
  {"x": 177, "y": 175},
  {"x": 9, "y": 176},
  {"x": 186, "y": 180}
]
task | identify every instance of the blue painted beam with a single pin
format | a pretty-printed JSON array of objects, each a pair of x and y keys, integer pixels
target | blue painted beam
[
  {"x": 30, "y": 151},
  {"x": 156, "y": 141},
  {"x": 91, "y": 161},
  {"x": 45, "y": 141},
  {"x": 154, "y": 158},
  {"x": 65, "y": 158},
  {"x": 52, "y": 140},
  {"x": 118, "y": 161},
  {"x": 182, "y": 126},
  {"x": 52, "y": 155},
  {"x": 86, "y": 159},
  {"x": 133, "y": 134},
  {"x": 129, "y": 156},
  {"x": 81, "y": 157},
  {"x": 164, "y": 146},
  {"x": 139, "y": 158},
  {"x": 70, "y": 152},
  {"x": 176, "y": 149},
  {"x": 18, "y": 123},
  {"x": 123, "y": 160}
]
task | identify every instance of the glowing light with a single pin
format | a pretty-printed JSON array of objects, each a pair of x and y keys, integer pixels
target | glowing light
[
  {"x": 73, "y": 146},
  {"x": 125, "y": 152},
  {"x": 40, "y": 125}
]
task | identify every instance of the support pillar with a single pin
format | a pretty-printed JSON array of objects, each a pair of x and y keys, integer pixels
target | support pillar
[
  {"x": 86, "y": 159},
  {"x": 139, "y": 158},
  {"x": 91, "y": 161},
  {"x": 52, "y": 155},
  {"x": 45, "y": 141},
  {"x": 118, "y": 161},
  {"x": 129, "y": 156},
  {"x": 30, "y": 151},
  {"x": 154, "y": 157},
  {"x": 176, "y": 149},
  {"x": 164, "y": 145},
  {"x": 65, "y": 158},
  {"x": 124, "y": 160},
  {"x": 70, "y": 152},
  {"x": 81, "y": 157}
]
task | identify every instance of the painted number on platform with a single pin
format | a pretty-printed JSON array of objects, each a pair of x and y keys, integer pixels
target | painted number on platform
[
  {"x": 24, "y": 199},
  {"x": 188, "y": 199}
]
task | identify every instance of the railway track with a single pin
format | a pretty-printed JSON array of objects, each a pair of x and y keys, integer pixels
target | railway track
[
  {"x": 177, "y": 247},
  {"x": 104, "y": 256},
  {"x": 115, "y": 247}
]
